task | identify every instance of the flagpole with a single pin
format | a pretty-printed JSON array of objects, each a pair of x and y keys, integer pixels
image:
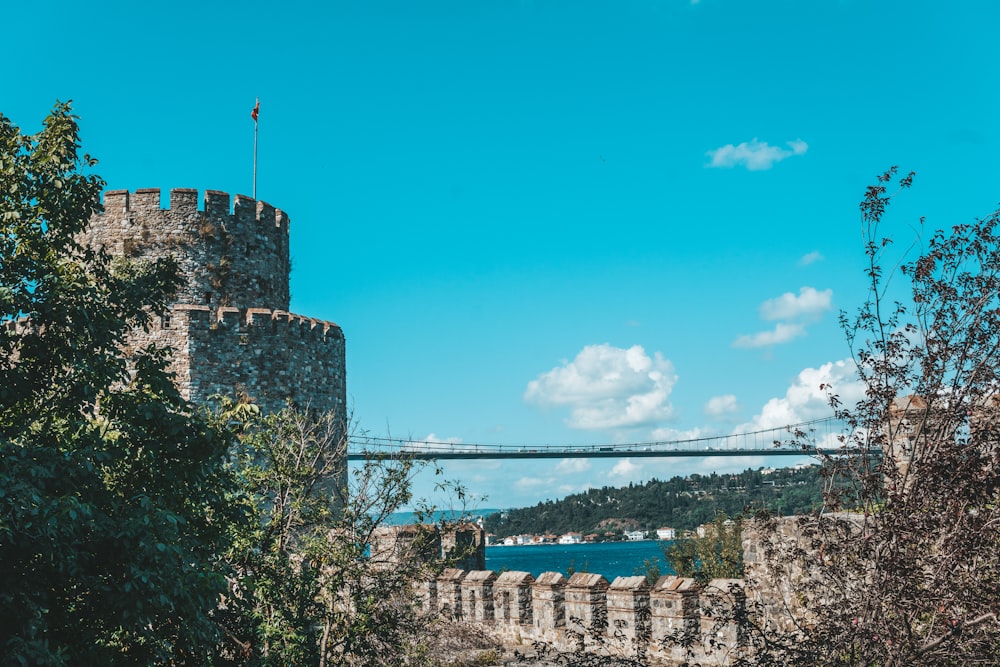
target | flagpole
[{"x": 254, "y": 114}]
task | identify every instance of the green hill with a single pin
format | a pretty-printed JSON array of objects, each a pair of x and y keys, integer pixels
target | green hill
[{"x": 682, "y": 503}]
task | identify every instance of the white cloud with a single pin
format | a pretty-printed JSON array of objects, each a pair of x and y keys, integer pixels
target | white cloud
[
  {"x": 567, "y": 489},
  {"x": 809, "y": 302},
  {"x": 782, "y": 333},
  {"x": 528, "y": 483},
  {"x": 806, "y": 400},
  {"x": 729, "y": 464},
  {"x": 675, "y": 435},
  {"x": 608, "y": 387},
  {"x": 794, "y": 310},
  {"x": 625, "y": 468},
  {"x": 717, "y": 406},
  {"x": 754, "y": 155},
  {"x": 572, "y": 466},
  {"x": 811, "y": 258},
  {"x": 432, "y": 437}
]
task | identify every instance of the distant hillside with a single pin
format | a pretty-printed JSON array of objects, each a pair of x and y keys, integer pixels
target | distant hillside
[{"x": 682, "y": 503}]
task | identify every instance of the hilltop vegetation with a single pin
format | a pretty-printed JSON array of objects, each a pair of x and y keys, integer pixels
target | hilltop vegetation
[{"x": 681, "y": 502}]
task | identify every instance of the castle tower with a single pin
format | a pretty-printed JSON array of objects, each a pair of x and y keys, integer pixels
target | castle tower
[{"x": 230, "y": 328}]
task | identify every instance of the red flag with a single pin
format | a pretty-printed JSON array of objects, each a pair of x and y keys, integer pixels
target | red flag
[{"x": 256, "y": 110}]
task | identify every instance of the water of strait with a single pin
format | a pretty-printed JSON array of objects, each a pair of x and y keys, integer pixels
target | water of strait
[{"x": 610, "y": 559}]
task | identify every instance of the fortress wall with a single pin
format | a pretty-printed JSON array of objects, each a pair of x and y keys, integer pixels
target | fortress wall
[
  {"x": 230, "y": 329},
  {"x": 586, "y": 608},
  {"x": 629, "y": 624},
  {"x": 627, "y": 618},
  {"x": 449, "y": 593},
  {"x": 477, "y": 596},
  {"x": 270, "y": 356},
  {"x": 236, "y": 258},
  {"x": 548, "y": 598},
  {"x": 512, "y": 598}
]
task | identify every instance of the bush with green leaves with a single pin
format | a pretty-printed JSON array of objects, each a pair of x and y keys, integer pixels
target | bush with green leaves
[
  {"x": 112, "y": 490},
  {"x": 310, "y": 586},
  {"x": 716, "y": 554}
]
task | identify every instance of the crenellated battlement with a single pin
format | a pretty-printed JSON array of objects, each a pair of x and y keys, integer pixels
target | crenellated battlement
[
  {"x": 262, "y": 321},
  {"x": 229, "y": 328},
  {"x": 184, "y": 201},
  {"x": 269, "y": 356},
  {"x": 669, "y": 622},
  {"x": 232, "y": 251}
]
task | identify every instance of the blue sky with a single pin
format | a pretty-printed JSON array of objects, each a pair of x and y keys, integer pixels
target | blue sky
[{"x": 548, "y": 222}]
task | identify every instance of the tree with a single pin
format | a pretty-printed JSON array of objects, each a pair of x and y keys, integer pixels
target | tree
[
  {"x": 718, "y": 554},
  {"x": 111, "y": 490},
  {"x": 903, "y": 567},
  {"x": 314, "y": 581}
]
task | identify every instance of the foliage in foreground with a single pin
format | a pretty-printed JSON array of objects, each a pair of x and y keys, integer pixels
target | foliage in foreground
[
  {"x": 135, "y": 530},
  {"x": 911, "y": 573},
  {"x": 308, "y": 586},
  {"x": 718, "y": 554},
  {"x": 112, "y": 502}
]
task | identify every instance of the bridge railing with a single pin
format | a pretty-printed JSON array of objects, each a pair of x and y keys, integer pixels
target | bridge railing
[{"x": 799, "y": 438}]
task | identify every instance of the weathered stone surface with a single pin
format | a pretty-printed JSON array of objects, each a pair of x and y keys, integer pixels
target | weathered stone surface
[
  {"x": 628, "y": 615},
  {"x": 549, "y": 601},
  {"x": 230, "y": 329},
  {"x": 449, "y": 592},
  {"x": 477, "y": 595},
  {"x": 512, "y": 598},
  {"x": 586, "y": 608}
]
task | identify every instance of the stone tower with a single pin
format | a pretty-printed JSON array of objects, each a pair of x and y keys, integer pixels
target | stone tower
[{"x": 230, "y": 328}]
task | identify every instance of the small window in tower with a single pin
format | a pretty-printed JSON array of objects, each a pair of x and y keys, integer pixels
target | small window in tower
[{"x": 165, "y": 321}]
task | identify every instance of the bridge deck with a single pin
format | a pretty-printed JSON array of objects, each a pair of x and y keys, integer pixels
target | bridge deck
[
  {"x": 792, "y": 440},
  {"x": 427, "y": 455}
]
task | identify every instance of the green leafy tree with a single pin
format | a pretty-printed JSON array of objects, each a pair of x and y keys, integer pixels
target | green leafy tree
[
  {"x": 313, "y": 584},
  {"x": 111, "y": 491},
  {"x": 718, "y": 554}
]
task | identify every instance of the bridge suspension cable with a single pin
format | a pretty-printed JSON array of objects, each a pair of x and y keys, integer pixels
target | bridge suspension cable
[{"x": 794, "y": 439}]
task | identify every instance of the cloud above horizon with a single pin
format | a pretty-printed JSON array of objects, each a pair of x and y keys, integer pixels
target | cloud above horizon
[
  {"x": 793, "y": 311},
  {"x": 626, "y": 469},
  {"x": 782, "y": 333},
  {"x": 805, "y": 400},
  {"x": 434, "y": 438},
  {"x": 810, "y": 302},
  {"x": 608, "y": 387},
  {"x": 811, "y": 258},
  {"x": 719, "y": 406},
  {"x": 754, "y": 155}
]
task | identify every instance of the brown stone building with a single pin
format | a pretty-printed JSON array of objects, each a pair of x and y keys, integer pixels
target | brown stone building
[{"x": 230, "y": 328}]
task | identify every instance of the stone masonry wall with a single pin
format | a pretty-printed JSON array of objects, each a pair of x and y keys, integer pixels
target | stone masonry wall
[
  {"x": 271, "y": 357},
  {"x": 238, "y": 258},
  {"x": 229, "y": 329},
  {"x": 627, "y": 618}
]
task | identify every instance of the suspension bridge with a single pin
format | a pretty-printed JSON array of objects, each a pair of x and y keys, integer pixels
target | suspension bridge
[{"x": 811, "y": 437}]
